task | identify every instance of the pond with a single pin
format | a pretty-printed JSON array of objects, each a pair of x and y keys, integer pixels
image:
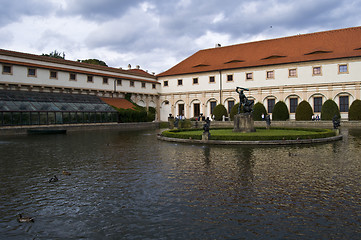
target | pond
[{"x": 128, "y": 185}]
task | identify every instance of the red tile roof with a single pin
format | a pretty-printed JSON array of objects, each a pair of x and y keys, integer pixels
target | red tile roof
[
  {"x": 335, "y": 44},
  {"x": 140, "y": 71},
  {"x": 74, "y": 63},
  {"x": 118, "y": 102}
]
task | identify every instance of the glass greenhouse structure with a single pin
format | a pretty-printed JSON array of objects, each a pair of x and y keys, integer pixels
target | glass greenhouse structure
[{"x": 39, "y": 108}]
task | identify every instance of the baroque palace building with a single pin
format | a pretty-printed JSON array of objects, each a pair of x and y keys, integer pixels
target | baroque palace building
[
  {"x": 45, "y": 90},
  {"x": 312, "y": 67}
]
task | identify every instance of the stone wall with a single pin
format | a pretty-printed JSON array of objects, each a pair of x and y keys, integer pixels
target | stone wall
[{"x": 20, "y": 130}]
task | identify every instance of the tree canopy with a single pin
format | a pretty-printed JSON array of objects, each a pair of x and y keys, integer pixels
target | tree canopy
[
  {"x": 94, "y": 61},
  {"x": 55, "y": 54}
]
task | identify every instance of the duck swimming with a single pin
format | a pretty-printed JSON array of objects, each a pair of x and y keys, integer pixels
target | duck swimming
[
  {"x": 66, "y": 173},
  {"x": 53, "y": 179},
  {"x": 22, "y": 219}
]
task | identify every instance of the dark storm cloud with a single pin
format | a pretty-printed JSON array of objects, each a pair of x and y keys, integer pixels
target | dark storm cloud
[
  {"x": 13, "y": 10},
  {"x": 99, "y": 10},
  {"x": 172, "y": 29}
]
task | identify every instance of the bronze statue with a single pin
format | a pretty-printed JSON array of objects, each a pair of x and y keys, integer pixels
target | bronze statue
[{"x": 243, "y": 101}]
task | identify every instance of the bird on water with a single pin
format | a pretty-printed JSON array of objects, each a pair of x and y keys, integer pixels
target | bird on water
[
  {"x": 22, "y": 219},
  {"x": 53, "y": 179}
]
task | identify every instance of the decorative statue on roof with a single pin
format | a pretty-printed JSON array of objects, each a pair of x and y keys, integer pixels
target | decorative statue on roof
[{"x": 243, "y": 101}]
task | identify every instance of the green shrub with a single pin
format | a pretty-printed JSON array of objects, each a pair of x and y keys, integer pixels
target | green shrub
[
  {"x": 354, "y": 112},
  {"x": 258, "y": 110},
  {"x": 234, "y": 111},
  {"x": 260, "y": 135},
  {"x": 219, "y": 111},
  {"x": 304, "y": 111},
  {"x": 280, "y": 112},
  {"x": 185, "y": 123},
  {"x": 329, "y": 110}
]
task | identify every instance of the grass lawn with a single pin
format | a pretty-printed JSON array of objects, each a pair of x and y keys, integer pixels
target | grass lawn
[{"x": 260, "y": 134}]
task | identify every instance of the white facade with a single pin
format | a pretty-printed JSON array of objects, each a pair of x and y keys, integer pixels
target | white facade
[
  {"x": 37, "y": 73},
  {"x": 304, "y": 85}
]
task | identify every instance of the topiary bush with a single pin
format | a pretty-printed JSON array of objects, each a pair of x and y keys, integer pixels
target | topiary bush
[
  {"x": 219, "y": 111},
  {"x": 329, "y": 109},
  {"x": 304, "y": 111},
  {"x": 234, "y": 111},
  {"x": 354, "y": 113},
  {"x": 280, "y": 112},
  {"x": 258, "y": 110}
]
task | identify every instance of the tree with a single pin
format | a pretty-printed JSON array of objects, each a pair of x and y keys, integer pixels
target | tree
[
  {"x": 354, "y": 112},
  {"x": 219, "y": 111},
  {"x": 94, "y": 61},
  {"x": 329, "y": 110},
  {"x": 258, "y": 110},
  {"x": 234, "y": 111},
  {"x": 304, "y": 111},
  {"x": 280, "y": 112},
  {"x": 55, "y": 54}
]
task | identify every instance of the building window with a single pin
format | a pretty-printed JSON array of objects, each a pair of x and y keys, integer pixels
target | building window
[
  {"x": 249, "y": 76},
  {"x": 90, "y": 79},
  {"x": 230, "y": 78},
  {"x": 7, "y": 69},
  {"x": 180, "y": 82},
  {"x": 316, "y": 71},
  {"x": 153, "y": 86},
  {"x": 196, "y": 109},
  {"x": 212, "y": 79},
  {"x": 53, "y": 74},
  {"x": 131, "y": 83},
  {"x": 195, "y": 80},
  {"x": 317, "y": 104},
  {"x": 105, "y": 80},
  {"x": 270, "y": 105},
  {"x": 293, "y": 104},
  {"x": 72, "y": 77},
  {"x": 165, "y": 83},
  {"x": 343, "y": 68},
  {"x": 119, "y": 82},
  {"x": 31, "y": 72},
  {"x": 343, "y": 102},
  {"x": 143, "y": 84},
  {"x": 213, "y": 105},
  {"x": 292, "y": 72},
  {"x": 230, "y": 105},
  {"x": 181, "y": 109},
  {"x": 270, "y": 74}
]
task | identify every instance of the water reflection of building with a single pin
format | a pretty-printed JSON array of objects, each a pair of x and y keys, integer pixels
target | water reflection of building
[{"x": 312, "y": 67}]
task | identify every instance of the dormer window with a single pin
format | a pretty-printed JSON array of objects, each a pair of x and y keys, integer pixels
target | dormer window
[{"x": 318, "y": 52}]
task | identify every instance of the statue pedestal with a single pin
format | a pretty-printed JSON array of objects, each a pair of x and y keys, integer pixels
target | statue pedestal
[
  {"x": 205, "y": 136},
  {"x": 243, "y": 122}
]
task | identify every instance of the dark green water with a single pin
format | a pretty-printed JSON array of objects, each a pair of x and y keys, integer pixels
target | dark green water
[{"x": 128, "y": 185}]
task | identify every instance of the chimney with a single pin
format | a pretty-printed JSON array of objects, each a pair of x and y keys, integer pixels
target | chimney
[
  {"x": 218, "y": 45},
  {"x": 129, "y": 66},
  {"x": 138, "y": 67}
]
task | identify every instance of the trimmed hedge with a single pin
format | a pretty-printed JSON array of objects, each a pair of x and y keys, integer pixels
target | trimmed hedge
[
  {"x": 260, "y": 135},
  {"x": 280, "y": 112},
  {"x": 258, "y": 110},
  {"x": 329, "y": 110},
  {"x": 304, "y": 111},
  {"x": 354, "y": 113},
  {"x": 219, "y": 111},
  {"x": 234, "y": 111}
]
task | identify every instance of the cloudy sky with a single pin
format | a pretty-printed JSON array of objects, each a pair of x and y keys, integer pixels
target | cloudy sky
[{"x": 157, "y": 34}]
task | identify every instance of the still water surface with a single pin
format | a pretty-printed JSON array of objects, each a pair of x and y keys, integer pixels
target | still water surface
[{"x": 128, "y": 185}]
